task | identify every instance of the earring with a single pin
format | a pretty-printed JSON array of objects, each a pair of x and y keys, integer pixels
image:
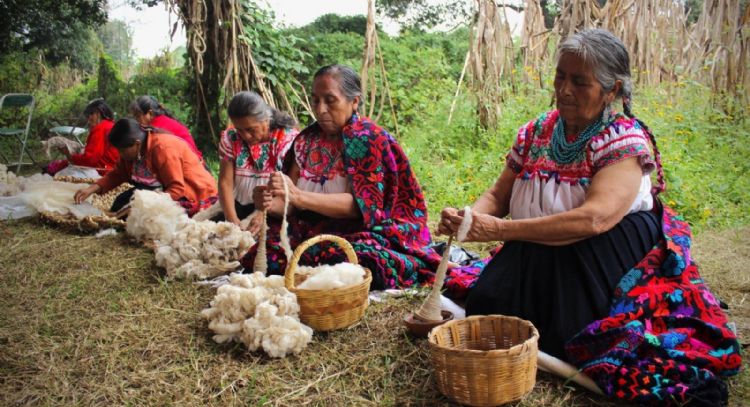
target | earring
[{"x": 607, "y": 113}]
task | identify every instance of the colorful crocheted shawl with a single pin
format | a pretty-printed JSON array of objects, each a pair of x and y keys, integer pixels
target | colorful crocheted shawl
[
  {"x": 666, "y": 340},
  {"x": 392, "y": 237}
]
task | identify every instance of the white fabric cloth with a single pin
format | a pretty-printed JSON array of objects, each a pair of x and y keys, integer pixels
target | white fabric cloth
[
  {"x": 335, "y": 185},
  {"x": 243, "y": 187},
  {"x": 76, "y": 171},
  {"x": 535, "y": 197}
]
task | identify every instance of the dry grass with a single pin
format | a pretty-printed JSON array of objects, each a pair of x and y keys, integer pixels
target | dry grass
[{"x": 90, "y": 321}]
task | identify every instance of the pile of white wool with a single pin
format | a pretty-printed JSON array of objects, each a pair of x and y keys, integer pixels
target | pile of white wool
[
  {"x": 326, "y": 277},
  {"x": 259, "y": 312}
]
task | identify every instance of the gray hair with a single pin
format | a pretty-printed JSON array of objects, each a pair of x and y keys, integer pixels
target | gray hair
[
  {"x": 607, "y": 56},
  {"x": 348, "y": 80},
  {"x": 250, "y": 104}
]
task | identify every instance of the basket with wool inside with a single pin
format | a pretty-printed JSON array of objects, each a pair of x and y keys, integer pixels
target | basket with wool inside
[
  {"x": 329, "y": 309},
  {"x": 484, "y": 360}
]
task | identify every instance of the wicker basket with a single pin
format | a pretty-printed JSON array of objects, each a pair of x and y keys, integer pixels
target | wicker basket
[
  {"x": 88, "y": 224},
  {"x": 326, "y": 310},
  {"x": 484, "y": 360}
]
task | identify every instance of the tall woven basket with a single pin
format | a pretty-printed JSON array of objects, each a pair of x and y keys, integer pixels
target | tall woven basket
[
  {"x": 484, "y": 360},
  {"x": 327, "y": 310}
]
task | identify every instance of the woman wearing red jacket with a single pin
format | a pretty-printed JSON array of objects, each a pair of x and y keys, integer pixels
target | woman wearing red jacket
[
  {"x": 98, "y": 153},
  {"x": 150, "y": 113}
]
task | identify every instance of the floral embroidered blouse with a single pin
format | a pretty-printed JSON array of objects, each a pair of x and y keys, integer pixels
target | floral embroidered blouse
[
  {"x": 253, "y": 165},
  {"x": 545, "y": 187},
  {"x": 321, "y": 164}
]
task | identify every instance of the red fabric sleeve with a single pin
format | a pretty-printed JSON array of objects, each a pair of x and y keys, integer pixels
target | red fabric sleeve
[
  {"x": 120, "y": 174},
  {"x": 96, "y": 147}
]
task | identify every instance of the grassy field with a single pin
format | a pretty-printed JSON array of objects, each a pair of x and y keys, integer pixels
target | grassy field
[{"x": 90, "y": 321}]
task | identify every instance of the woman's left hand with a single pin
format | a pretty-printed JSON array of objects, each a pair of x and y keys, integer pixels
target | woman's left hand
[
  {"x": 276, "y": 187},
  {"x": 484, "y": 227}
]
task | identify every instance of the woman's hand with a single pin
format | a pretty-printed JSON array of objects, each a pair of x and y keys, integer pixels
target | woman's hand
[
  {"x": 450, "y": 220},
  {"x": 483, "y": 228},
  {"x": 276, "y": 187},
  {"x": 82, "y": 194},
  {"x": 262, "y": 198},
  {"x": 256, "y": 221}
]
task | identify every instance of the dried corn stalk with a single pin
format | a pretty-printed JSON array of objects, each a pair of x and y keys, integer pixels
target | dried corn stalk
[
  {"x": 490, "y": 58},
  {"x": 576, "y": 15},
  {"x": 372, "y": 67},
  {"x": 534, "y": 40}
]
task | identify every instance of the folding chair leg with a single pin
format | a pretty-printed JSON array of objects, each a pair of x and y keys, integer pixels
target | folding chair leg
[{"x": 20, "y": 157}]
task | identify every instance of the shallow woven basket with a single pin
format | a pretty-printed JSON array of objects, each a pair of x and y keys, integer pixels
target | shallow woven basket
[
  {"x": 484, "y": 360},
  {"x": 326, "y": 310},
  {"x": 88, "y": 224}
]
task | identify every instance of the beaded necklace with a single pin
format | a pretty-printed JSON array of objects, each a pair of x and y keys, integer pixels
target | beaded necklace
[{"x": 564, "y": 152}]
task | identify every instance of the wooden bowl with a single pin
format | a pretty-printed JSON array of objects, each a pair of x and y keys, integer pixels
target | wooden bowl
[{"x": 419, "y": 328}]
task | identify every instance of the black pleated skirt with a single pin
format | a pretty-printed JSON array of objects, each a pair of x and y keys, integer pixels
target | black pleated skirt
[{"x": 562, "y": 289}]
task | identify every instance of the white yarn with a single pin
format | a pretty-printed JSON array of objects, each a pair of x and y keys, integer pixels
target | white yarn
[
  {"x": 261, "y": 259},
  {"x": 284, "y": 234},
  {"x": 326, "y": 277},
  {"x": 73, "y": 146},
  {"x": 259, "y": 312},
  {"x": 465, "y": 226}
]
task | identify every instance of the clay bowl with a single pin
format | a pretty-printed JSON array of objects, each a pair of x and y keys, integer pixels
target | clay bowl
[{"x": 420, "y": 329}]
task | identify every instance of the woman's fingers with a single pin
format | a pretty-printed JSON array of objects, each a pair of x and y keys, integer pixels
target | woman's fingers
[{"x": 449, "y": 221}]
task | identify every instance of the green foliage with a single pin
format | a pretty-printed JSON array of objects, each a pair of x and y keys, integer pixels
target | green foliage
[
  {"x": 108, "y": 80},
  {"x": 276, "y": 53},
  {"x": 334, "y": 23},
  {"x": 60, "y": 29},
  {"x": 117, "y": 39}
]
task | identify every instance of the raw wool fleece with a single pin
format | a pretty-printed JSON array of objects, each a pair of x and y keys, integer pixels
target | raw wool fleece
[
  {"x": 184, "y": 247},
  {"x": 154, "y": 216},
  {"x": 12, "y": 184},
  {"x": 260, "y": 312},
  {"x": 326, "y": 277},
  {"x": 73, "y": 146}
]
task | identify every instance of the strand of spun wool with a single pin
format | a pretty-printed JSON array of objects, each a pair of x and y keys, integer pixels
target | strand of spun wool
[
  {"x": 260, "y": 312},
  {"x": 284, "y": 234},
  {"x": 73, "y": 147},
  {"x": 326, "y": 277},
  {"x": 261, "y": 261},
  {"x": 465, "y": 226},
  {"x": 430, "y": 309}
]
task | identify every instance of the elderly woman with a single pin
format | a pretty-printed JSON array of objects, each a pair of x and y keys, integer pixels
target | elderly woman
[
  {"x": 251, "y": 150},
  {"x": 349, "y": 177},
  {"x": 588, "y": 240},
  {"x": 151, "y": 160}
]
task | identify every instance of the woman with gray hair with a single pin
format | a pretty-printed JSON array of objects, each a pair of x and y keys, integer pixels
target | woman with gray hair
[
  {"x": 251, "y": 149},
  {"x": 347, "y": 176},
  {"x": 590, "y": 254}
]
